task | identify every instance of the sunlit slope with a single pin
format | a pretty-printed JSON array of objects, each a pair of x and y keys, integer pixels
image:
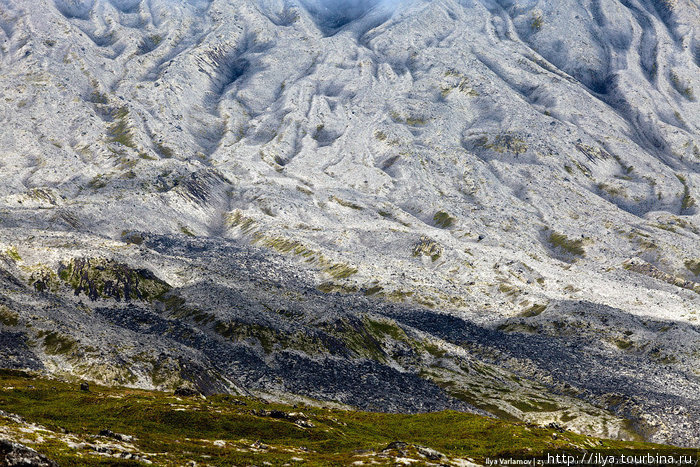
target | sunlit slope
[{"x": 514, "y": 181}]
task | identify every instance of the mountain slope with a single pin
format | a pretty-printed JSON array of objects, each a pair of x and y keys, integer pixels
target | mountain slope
[
  {"x": 118, "y": 426},
  {"x": 460, "y": 204}
]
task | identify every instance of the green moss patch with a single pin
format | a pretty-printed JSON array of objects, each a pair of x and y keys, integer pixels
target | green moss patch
[
  {"x": 504, "y": 143},
  {"x": 443, "y": 220},
  {"x": 56, "y": 343},
  {"x": 119, "y": 131},
  {"x": 107, "y": 279},
  {"x": 428, "y": 247},
  {"x": 566, "y": 245},
  {"x": 8, "y": 317},
  {"x": 13, "y": 254},
  {"x": 534, "y": 310},
  {"x": 693, "y": 265}
]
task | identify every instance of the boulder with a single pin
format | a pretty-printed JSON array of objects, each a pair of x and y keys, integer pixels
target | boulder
[
  {"x": 186, "y": 392},
  {"x": 117, "y": 436},
  {"x": 17, "y": 455}
]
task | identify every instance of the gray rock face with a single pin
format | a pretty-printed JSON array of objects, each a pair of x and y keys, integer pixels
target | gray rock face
[
  {"x": 396, "y": 205},
  {"x": 18, "y": 455}
]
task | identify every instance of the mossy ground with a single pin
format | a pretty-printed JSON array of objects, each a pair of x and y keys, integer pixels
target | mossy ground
[
  {"x": 104, "y": 278},
  {"x": 228, "y": 430},
  {"x": 571, "y": 246}
]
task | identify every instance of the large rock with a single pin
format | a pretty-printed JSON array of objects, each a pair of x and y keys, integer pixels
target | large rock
[{"x": 17, "y": 455}]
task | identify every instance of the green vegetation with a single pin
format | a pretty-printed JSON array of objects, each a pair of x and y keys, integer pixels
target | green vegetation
[
  {"x": 693, "y": 265},
  {"x": 330, "y": 287},
  {"x": 684, "y": 89},
  {"x": 119, "y": 130},
  {"x": 237, "y": 219},
  {"x": 564, "y": 243},
  {"x": 400, "y": 295},
  {"x": 534, "y": 310},
  {"x": 509, "y": 290},
  {"x": 443, "y": 220},
  {"x": 268, "y": 338},
  {"x": 535, "y": 405},
  {"x": 42, "y": 278},
  {"x": 364, "y": 338},
  {"x": 155, "y": 39},
  {"x": 285, "y": 245},
  {"x": 380, "y": 328},
  {"x": 97, "y": 182},
  {"x": 688, "y": 201},
  {"x": 175, "y": 305},
  {"x": 303, "y": 189},
  {"x": 374, "y": 290},
  {"x": 415, "y": 121},
  {"x": 623, "y": 344},
  {"x": 504, "y": 143},
  {"x": 132, "y": 237},
  {"x": 186, "y": 231},
  {"x": 461, "y": 83},
  {"x": 107, "y": 279},
  {"x": 341, "y": 271},
  {"x": 13, "y": 254},
  {"x": 97, "y": 97},
  {"x": 428, "y": 247},
  {"x": 583, "y": 169},
  {"x": 346, "y": 204},
  {"x": 594, "y": 153},
  {"x": 164, "y": 150},
  {"x": 627, "y": 169},
  {"x": 537, "y": 21},
  {"x": 225, "y": 430},
  {"x": 434, "y": 350},
  {"x": 410, "y": 120},
  {"x": 56, "y": 343},
  {"x": 8, "y": 317},
  {"x": 612, "y": 190}
]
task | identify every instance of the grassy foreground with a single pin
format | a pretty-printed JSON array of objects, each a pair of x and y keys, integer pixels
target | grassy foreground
[{"x": 66, "y": 424}]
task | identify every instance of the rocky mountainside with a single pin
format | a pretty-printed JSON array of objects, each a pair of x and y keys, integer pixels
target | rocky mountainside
[
  {"x": 49, "y": 423},
  {"x": 482, "y": 205}
]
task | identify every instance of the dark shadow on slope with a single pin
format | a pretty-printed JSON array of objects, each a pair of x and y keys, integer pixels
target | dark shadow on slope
[
  {"x": 332, "y": 15},
  {"x": 316, "y": 344},
  {"x": 228, "y": 70},
  {"x": 79, "y": 9},
  {"x": 7, "y": 26},
  {"x": 225, "y": 66},
  {"x": 667, "y": 11},
  {"x": 282, "y": 15},
  {"x": 14, "y": 352},
  {"x": 102, "y": 40},
  {"x": 149, "y": 43},
  {"x": 649, "y": 45},
  {"x": 240, "y": 351},
  {"x": 126, "y": 6},
  {"x": 573, "y": 353}
]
